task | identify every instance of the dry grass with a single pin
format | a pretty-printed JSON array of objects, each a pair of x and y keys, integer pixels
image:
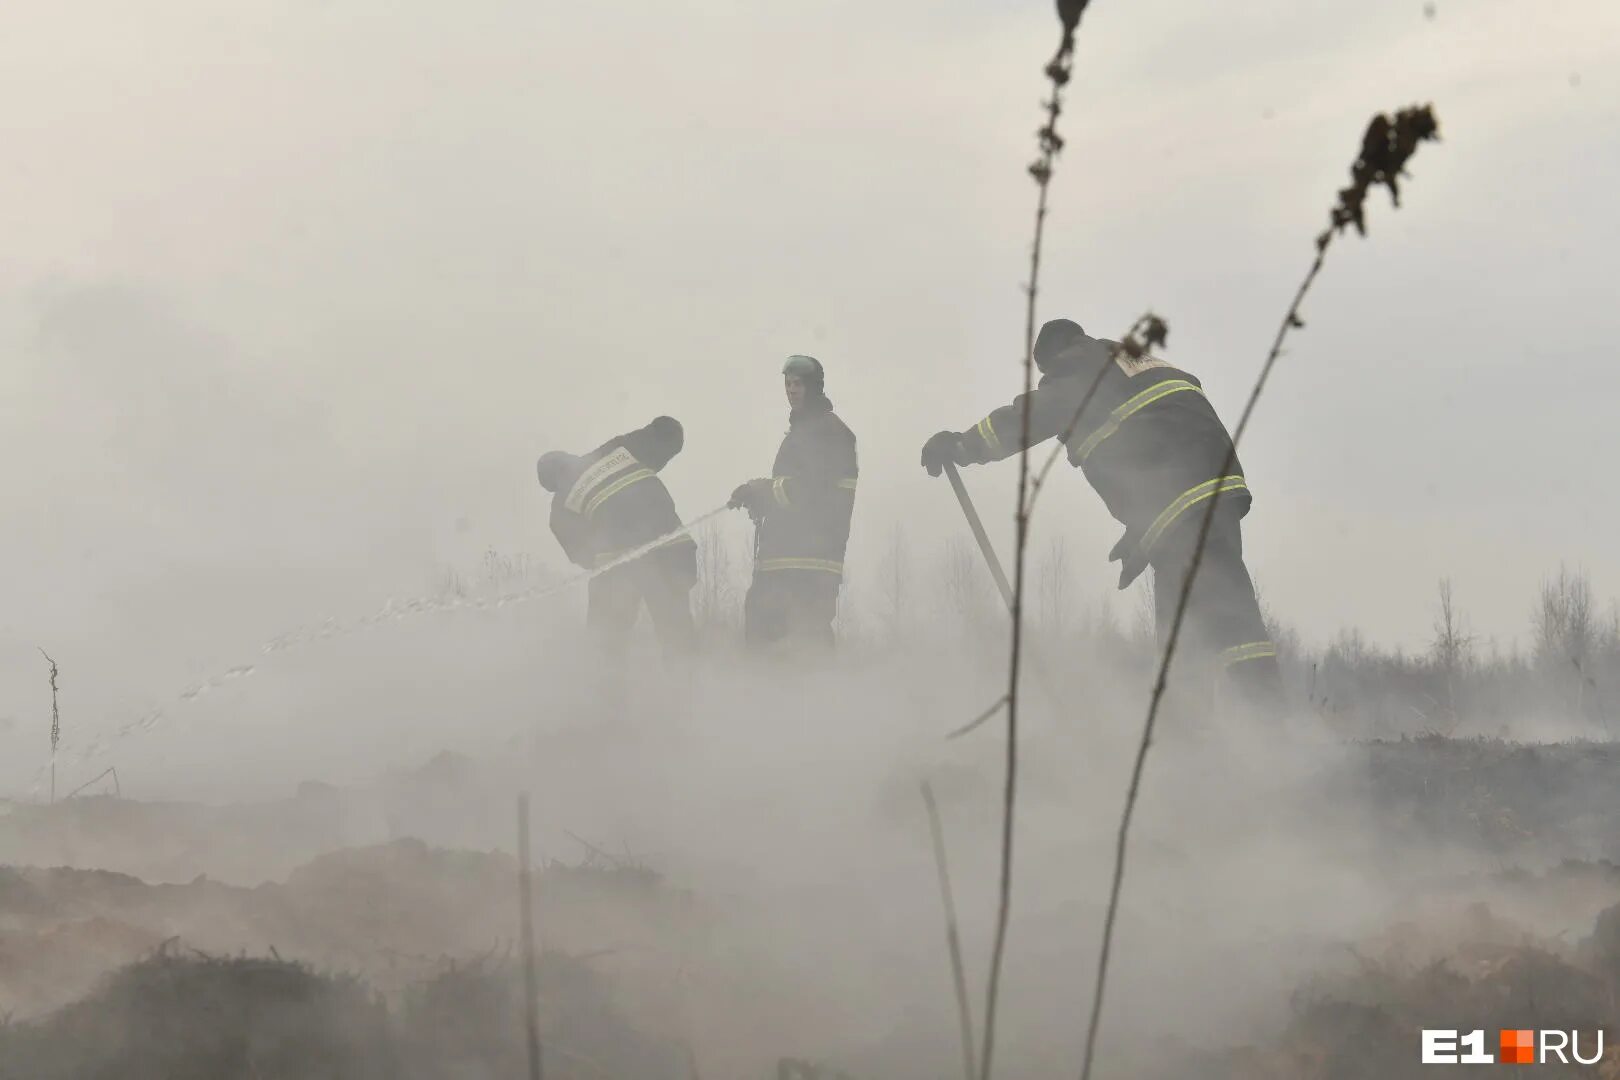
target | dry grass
[{"x": 1386, "y": 148}]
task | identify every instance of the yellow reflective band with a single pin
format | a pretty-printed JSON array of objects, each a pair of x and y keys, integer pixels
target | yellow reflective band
[
  {"x": 1125, "y": 411},
  {"x": 600, "y": 472},
  {"x": 826, "y": 566},
  {"x": 779, "y": 491},
  {"x": 987, "y": 432},
  {"x": 1254, "y": 650},
  {"x": 1185, "y": 501},
  {"x": 614, "y": 488},
  {"x": 848, "y": 483}
]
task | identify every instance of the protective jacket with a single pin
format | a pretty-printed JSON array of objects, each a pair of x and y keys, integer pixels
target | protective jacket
[
  {"x": 804, "y": 528},
  {"x": 612, "y": 501},
  {"x": 1143, "y": 433}
]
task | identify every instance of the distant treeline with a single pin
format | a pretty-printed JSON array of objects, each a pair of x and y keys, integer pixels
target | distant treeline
[{"x": 1567, "y": 677}]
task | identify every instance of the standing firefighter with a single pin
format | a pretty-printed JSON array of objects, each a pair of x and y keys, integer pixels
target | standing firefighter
[
  {"x": 801, "y": 516},
  {"x": 1151, "y": 445},
  {"x": 611, "y": 501}
]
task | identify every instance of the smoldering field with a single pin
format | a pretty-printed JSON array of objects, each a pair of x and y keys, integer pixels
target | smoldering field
[
  {"x": 738, "y": 866},
  {"x": 735, "y": 871},
  {"x": 295, "y": 298}
]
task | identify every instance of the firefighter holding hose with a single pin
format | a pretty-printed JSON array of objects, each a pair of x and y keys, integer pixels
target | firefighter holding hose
[
  {"x": 801, "y": 515},
  {"x": 609, "y": 502}
]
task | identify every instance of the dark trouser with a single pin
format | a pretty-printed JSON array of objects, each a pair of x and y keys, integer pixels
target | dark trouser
[
  {"x": 617, "y": 596},
  {"x": 796, "y": 605},
  {"x": 1222, "y": 629}
]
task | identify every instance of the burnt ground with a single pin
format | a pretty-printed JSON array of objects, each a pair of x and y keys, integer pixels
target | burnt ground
[
  {"x": 1478, "y": 971},
  {"x": 1522, "y": 803},
  {"x": 393, "y": 960},
  {"x": 174, "y": 1016},
  {"x": 399, "y": 958}
]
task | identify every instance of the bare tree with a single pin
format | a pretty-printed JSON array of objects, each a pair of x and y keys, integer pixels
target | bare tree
[
  {"x": 1285, "y": 637},
  {"x": 715, "y": 595},
  {"x": 1105, "y": 621},
  {"x": 1348, "y": 649},
  {"x": 450, "y": 585},
  {"x": 56, "y": 720},
  {"x": 1566, "y": 631},
  {"x": 1144, "y": 627},
  {"x": 895, "y": 582},
  {"x": 1452, "y": 648},
  {"x": 1564, "y": 617},
  {"x": 964, "y": 587},
  {"x": 1607, "y": 661},
  {"x": 1053, "y": 584}
]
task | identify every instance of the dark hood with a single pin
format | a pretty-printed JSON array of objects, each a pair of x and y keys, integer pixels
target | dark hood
[
  {"x": 1059, "y": 346},
  {"x": 659, "y": 441},
  {"x": 558, "y": 470},
  {"x": 813, "y": 405},
  {"x": 1085, "y": 356}
]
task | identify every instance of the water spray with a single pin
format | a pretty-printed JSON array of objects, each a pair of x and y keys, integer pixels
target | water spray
[{"x": 391, "y": 611}]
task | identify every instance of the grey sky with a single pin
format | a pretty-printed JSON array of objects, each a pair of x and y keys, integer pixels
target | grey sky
[{"x": 293, "y": 293}]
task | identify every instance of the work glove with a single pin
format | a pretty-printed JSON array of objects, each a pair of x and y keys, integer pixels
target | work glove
[
  {"x": 1130, "y": 556},
  {"x": 942, "y": 448},
  {"x": 752, "y": 496}
]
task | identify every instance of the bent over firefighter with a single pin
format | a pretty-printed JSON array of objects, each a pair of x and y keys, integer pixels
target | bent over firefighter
[
  {"x": 1150, "y": 443},
  {"x": 609, "y": 502}
]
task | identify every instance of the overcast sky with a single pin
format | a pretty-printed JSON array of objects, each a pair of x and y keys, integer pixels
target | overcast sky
[{"x": 293, "y": 293}]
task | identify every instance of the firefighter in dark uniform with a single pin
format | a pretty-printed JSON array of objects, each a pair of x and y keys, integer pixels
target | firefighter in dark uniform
[
  {"x": 609, "y": 502},
  {"x": 801, "y": 515},
  {"x": 1150, "y": 443}
]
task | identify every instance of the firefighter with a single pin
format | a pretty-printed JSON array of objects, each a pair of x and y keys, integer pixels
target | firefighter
[
  {"x": 801, "y": 515},
  {"x": 1151, "y": 445},
  {"x": 611, "y": 501}
]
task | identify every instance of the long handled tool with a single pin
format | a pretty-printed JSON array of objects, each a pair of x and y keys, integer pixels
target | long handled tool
[
  {"x": 976, "y": 524},
  {"x": 971, "y": 512}
]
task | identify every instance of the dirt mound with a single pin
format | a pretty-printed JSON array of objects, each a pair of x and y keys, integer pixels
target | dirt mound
[
  {"x": 402, "y": 896},
  {"x": 468, "y": 1022},
  {"x": 66, "y": 960},
  {"x": 395, "y": 913},
  {"x": 1477, "y": 972},
  {"x": 198, "y": 1018},
  {"x": 194, "y": 1017},
  {"x": 174, "y": 841}
]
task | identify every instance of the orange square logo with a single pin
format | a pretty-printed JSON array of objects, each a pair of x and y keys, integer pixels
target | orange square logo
[{"x": 1518, "y": 1048}]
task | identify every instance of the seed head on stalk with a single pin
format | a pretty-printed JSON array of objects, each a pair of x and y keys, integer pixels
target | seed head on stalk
[{"x": 1385, "y": 150}]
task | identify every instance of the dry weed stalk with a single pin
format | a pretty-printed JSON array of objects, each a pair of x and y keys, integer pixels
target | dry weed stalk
[
  {"x": 118, "y": 788},
  {"x": 1386, "y": 147},
  {"x": 953, "y": 939},
  {"x": 977, "y": 721},
  {"x": 531, "y": 990},
  {"x": 56, "y": 721},
  {"x": 1147, "y": 333},
  {"x": 1057, "y": 73}
]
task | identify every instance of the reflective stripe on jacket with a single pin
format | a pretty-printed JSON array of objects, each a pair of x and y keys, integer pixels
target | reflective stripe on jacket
[
  {"x": 603, "y": 479},
  {"x": 617, "y": 504},
  {"x": 805, "y": 526},
  {"x": 1142, "y": 431}
]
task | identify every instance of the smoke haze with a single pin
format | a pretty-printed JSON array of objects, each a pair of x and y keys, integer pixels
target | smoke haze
[{"x": 293, "y": 295}]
